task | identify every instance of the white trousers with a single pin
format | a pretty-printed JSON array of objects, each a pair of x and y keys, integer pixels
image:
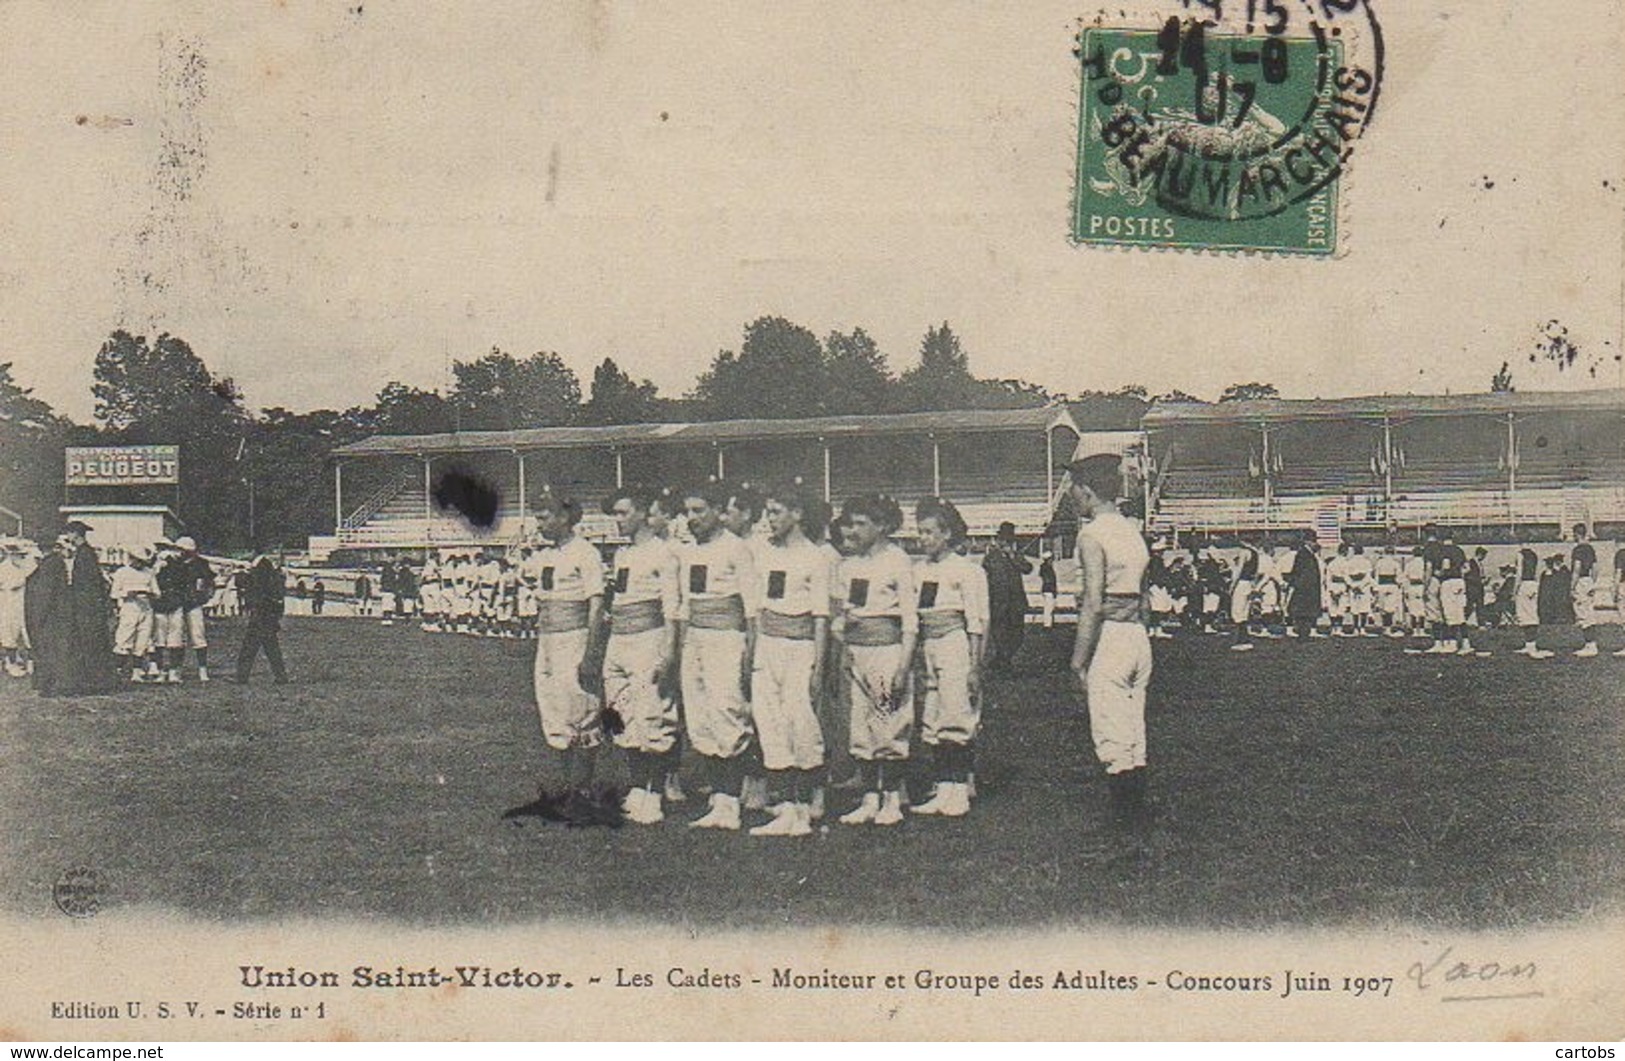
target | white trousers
[
  {"x": 569, "y": 714},
  {"x": 1119, "y": 674},
  {"x": 133, "y": 637},
  {"x": 950, "y": 716},
  {"x": 782, "y": 704},
  {"x": 881, "y": 723},
  {"x": 631, "y": 691},
  {"x": 713, "y": 702}
]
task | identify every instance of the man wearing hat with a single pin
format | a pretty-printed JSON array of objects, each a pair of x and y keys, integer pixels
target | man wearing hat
[
  {"x": 1007, "y": 599},
  {"x": 185, "y": 583},
  {"x": 66, "y": 610},
  {"x": 134, "y": 587},
  {"x": 18, "y": 559},
  {"x": 262, "y": 600}
]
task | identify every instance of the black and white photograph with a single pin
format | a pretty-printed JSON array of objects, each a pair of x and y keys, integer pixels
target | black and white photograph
[{"x": 602, "y": 520}]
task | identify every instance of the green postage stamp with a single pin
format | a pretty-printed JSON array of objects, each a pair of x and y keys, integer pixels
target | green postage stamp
[{"x": 1193, "y": 136}]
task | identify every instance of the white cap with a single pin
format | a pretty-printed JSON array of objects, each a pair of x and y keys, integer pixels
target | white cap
[{"x": 185, "y": 544}]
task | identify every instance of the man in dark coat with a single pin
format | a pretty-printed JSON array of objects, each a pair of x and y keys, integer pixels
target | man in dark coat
[
  {"x": 406, "y": 589},
  {"x": 1007, "y": 599},
  {"x": 1303, "y": 588},
  {"x": 68, "y": 613},
  {"x": 262, "y": 602}
]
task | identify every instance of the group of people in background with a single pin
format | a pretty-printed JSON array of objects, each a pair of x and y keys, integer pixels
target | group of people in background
[
  {"x": 1437, "y": 591},
  {"x": 78, "y": 629}
]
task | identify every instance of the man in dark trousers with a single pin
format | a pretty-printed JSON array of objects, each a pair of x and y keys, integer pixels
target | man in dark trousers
[
  {"x": 1303, "y": 588},
  {"x": 1007, "y": 599},
  {"x": 406, "y": 590},
  {"x": 67, "y": 611},
  {"x": 262, "y": 602}
]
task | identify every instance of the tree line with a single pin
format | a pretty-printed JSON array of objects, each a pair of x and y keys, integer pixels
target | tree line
[{"x": 255, "y": 479}]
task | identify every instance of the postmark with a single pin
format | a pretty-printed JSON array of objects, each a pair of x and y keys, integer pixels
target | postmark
[
  {"x": 78, "y": 892},
  {"x": 1227, "y": 125}
]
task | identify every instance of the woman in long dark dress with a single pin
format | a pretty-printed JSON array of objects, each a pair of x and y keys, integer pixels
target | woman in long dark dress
[{"x": 68, "y": 613}]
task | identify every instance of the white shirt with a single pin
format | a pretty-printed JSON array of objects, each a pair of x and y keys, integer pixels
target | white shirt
[
  {"x": 1358, "y": 570},
  {"x": 793, "y": 579},
  {"x": 881, "y": 585},
  {"x": 649, "y": 571},
  {"x": 720, "y": 568},
  {"x": 129, "y": 583},
  {"x": 569, "y": 572},
  {"x": 1126, "y": 554},
  {"x": 954, "y": 584}
]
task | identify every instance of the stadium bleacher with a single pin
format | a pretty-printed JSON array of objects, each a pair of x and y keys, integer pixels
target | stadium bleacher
[{"x": 997, "y": 465}]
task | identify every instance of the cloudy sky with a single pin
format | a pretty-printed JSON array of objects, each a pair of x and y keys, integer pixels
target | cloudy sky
[{"x": 322, "y": 196}]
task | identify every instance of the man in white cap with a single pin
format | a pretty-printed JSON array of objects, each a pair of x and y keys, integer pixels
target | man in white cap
[
  {"x": 133, "y": 589},
  {"x": 185, "y": 583}
]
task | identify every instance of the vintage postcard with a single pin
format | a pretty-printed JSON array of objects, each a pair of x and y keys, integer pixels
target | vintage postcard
[{"x": 592, "y": 520}]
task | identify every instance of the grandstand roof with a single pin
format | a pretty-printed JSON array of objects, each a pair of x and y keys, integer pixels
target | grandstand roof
[
  {"x": 1398, "y": 406},
  {"x": 955, "y": 421}
]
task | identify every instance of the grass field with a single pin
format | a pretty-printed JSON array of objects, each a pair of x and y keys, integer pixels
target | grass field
[{"x": 1331, "y": 782}]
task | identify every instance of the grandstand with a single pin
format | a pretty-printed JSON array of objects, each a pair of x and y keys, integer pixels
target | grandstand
[
  {"x": 997, "y": 464},
  {"x": 1503, "y": 466}
]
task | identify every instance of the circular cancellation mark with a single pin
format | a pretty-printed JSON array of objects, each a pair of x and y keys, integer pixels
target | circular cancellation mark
[
  {"x": 78, "y": 892},
  {"x": 1233, "y": 110}
]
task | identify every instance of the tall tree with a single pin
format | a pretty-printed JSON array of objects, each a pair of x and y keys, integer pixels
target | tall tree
[
  {"x": 499, "y": 392},
  {"x": 616, "y": 398},
  {"x": 31, "y": 440},
  {"x": 778, "y": 372},
  {"x": 942, "y": 379},
  {"x": 1249, "y": 392},
  {"x": 1501, "y": 382},
  {"x": 282, "y": 455},
  {"x": 401, "y": 409},
  {"x": 858, "y": 379},
  {"x": 161, "y": 393}
]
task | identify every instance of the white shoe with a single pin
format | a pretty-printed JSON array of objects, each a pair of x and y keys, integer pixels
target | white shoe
[
  {"x": 203, "y": 675},
  {"x": 865, "y": 812},
  {"x": 958, "y": 803},
  {"x": 891, "y": 809},
  {"x": 631, "y": 801},
  {"x": 644, "y": 807},
  {"x": 1527, "y": 650},
  {"x": 1620, "y": 654},
  {"x": 937, "y": 802},
  {"x": 1466, "y": 649},
  {"x": 1242, "y": 646},
  {"x": 1317, "y": 635},
  {"x": 724, "y": 813},
  {"x": 1587, "y": 652},
  {"x": 173, "y": 677},
  {"x": 787, "y": 822},
  {"x": 1541, "y": 653}
]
